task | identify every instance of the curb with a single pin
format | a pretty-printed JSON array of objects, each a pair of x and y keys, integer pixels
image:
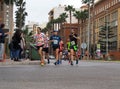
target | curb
[
  {"x": 102, "y": 61},
  {"x": 20, "y": 63}
]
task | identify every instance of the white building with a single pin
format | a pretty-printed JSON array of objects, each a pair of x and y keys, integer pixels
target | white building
[
  {"x": 31, "y": 25},
  {"x": 56, "y": 11}
]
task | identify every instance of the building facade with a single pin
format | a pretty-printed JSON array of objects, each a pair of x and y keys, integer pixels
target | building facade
[
  {"x": 1, "y": 11},
  {"x": 105, "y": 25},
  {"x": 56, "y": 11},
  {"x": 6, "y": 16}
]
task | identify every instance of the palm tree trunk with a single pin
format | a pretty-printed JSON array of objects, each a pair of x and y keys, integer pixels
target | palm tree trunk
[
  {"x": 70, "y": 21},
  {"x": 79, "y": 32},
  {"x": 93, "y": 31}
]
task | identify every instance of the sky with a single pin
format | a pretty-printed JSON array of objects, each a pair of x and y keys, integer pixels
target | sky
[{"x": 38, "y": 9}]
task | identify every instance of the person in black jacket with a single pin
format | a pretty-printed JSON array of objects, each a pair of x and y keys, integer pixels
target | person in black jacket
[
  {"x": 16, "y": 39},
  {"x": 2, "y": 41}
]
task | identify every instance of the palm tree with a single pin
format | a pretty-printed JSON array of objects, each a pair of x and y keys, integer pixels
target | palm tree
[
  {"x": 20, "y": 13},
  {"x": 49, "y": 26},
  {"x": 87, "y": 1},
  {"x": 92, "y": 2},
  {"x": 70, "y": 9},
  {"x": 28, "y": 36},
  {"x": 63, "y": 17},
  {"x": 7, "y": 2},
  {"x": 81, "y": 16}
]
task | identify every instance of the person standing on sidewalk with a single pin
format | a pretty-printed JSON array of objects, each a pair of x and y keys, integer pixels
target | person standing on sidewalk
[
  {"x": 39, "y": 40},
  {"x": 22, "y": 45},
  {"x": 73, "y": 46},
  {"x": 16, "y": 41},
  {"x": 55, "y": 39},
  {"x": 2, "y": 41}
]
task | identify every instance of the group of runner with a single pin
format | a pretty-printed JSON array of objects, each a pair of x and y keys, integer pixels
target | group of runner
[{"x": 42, "y": 42}]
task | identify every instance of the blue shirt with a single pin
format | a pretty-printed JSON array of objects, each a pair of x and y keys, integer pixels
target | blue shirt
[
  {"x": 56, "y": 39},
  {"x": 2, "y": 36}
]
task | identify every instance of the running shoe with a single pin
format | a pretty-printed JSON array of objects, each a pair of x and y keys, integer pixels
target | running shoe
[
  {"x": 48, "y": 61},
  {"x": 71, "y": 63},
  {"x": 76, "y": 61},
  {"x": 42, "y": 63},
  {"x": 57, "y": 62},
  {"x": 60, "y": 61}
]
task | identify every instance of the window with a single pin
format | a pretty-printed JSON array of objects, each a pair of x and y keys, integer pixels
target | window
[
  {"x": 112, "y": 3},
  {"x": 105, "y": 7},
  {"x": 7, "y": 6},
  {"x": 114, "y": 15},
  {"x": 95, "y": 12},
  {"x": 109, "y": 5},
  {"x": 116, "y": 1},
  {"x": 7, "y": 20},
  {"x": 101, "y": 21},
  {"x": 114, "y": 23},
  {"x": 7, "y": 15},
  {"x": 1, "y": 6}
]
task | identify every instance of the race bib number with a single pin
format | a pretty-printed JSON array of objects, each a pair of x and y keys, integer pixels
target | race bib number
[
  {"x": 72, "y": 42},
  {"x": 55, "y": 42}
]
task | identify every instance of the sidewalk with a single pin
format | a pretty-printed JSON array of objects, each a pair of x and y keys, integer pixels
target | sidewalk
[{"x": 23, "y": 62}]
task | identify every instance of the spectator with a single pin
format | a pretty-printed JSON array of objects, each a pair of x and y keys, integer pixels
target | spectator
[
  {"x": 2, "y": 41},
  {"x": 16, "y": 39}
]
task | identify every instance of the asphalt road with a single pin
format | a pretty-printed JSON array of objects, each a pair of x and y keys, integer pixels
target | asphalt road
[{"x": 86, "y": 75}]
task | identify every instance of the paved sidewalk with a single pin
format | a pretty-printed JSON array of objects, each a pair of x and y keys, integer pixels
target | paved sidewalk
[{"x": 23, "y": 62}]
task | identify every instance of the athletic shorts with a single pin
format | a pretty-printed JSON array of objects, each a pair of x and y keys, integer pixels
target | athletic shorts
[
  {"x": 60, "y": 51},
  {"x": 38, "y": 47},
  {"x": 46, "y": 50},
  {"x": 55, "y": 47},
  {"x": 73, "y": 47}
]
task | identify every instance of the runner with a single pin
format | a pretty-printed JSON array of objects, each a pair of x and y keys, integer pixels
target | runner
[
  {"x": 39, "y": 39},
  {"x": 55, "y": 39},
  {"x": 46, "y": 48},
  {"x": 68, "y": 48},
  {"x": 61, "y": 48},
  {"x": 73, "y": 46}
]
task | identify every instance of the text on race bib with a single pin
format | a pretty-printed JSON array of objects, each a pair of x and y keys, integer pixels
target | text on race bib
[
  {"x": 72, "y": 42},
  {"x": 55, "y": 42}
]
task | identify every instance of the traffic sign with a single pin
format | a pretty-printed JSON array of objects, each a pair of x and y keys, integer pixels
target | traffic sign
[{"x": 84, "y": 45}]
